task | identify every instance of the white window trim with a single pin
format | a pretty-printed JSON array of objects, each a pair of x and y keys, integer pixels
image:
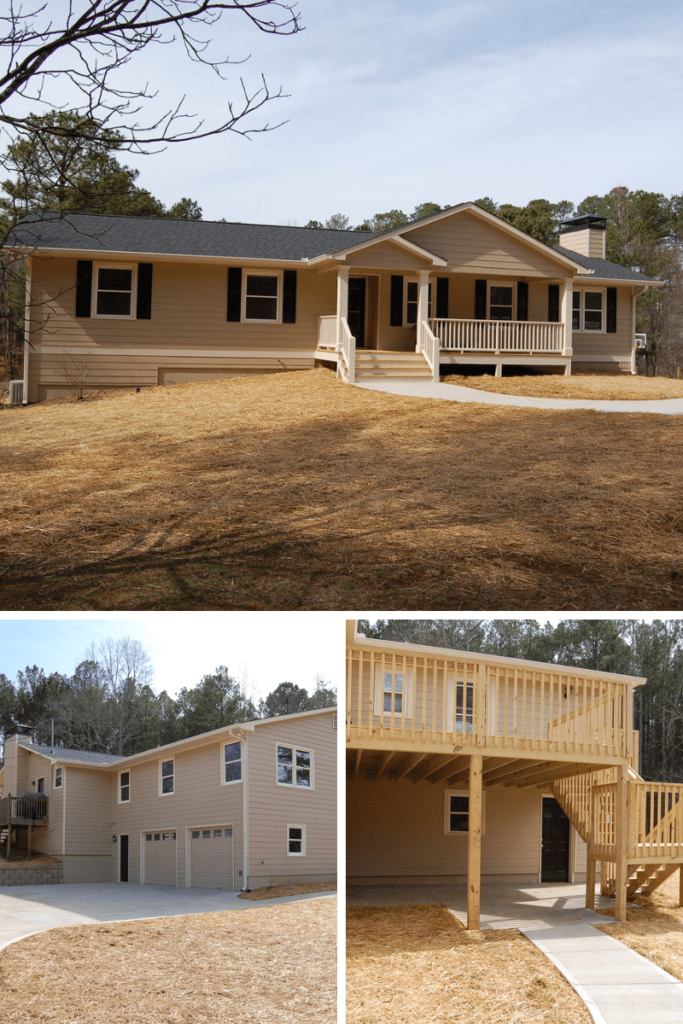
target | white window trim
[
  {"x": 164, "y": 760},
  {"x": 60, "y": 776},
  {"x": 119, "y": 798},
  {"x": 581, "y": 329},
  {"x": 246, "y": 273},
  {"x": 303, "y": 841},
  {"x": 293, "y": 784},
  {"x": 501, "y": 284},
  {"x": 232, "y": 782},
  {"x": 447, "y": 794},
  {"x": 406, "y": 282},
  {"x": 133, "y": 291}
]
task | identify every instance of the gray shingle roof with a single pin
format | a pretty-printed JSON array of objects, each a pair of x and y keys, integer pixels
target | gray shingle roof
[
  {"x": 604, "y": 268},
  {"x": 181, "y": 237},
  {"x": 87, "y": 756}
]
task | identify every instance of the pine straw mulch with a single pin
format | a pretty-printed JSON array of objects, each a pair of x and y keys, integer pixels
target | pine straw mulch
[
  {"x": 296, "y": 491},
  {"x": 654, "y": 928},
  {"x": 598, "y": 386},
  {"x": 407, "y": 964},
  {"x": 34, "y": 861},
  {"x": 273, "y": 892},
  {"x": 274, "y": 965}
]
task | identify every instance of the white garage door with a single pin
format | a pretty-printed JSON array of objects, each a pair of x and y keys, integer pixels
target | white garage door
[
  {"x": 211, "y": 858},
  {"x": 159, "y": 851}
]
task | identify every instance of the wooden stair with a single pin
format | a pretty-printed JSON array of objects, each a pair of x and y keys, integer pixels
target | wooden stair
[{"x": 373, "y": 364}]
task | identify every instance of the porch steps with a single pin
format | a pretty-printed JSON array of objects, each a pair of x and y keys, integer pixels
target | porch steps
[
  {"x": 373, "y": 363},
  {"x": 643, "y": 880}
]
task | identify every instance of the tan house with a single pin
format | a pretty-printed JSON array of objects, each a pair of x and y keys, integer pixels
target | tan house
[
  {"x": 241, "y": 807},
  {"x": 126, "y": 301},
  {"x": 462, "y": 766}
]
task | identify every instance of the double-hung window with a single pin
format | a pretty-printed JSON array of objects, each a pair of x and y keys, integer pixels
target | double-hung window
[
  {"x": 411, "y": 293},
  {"x": 124, "y": 787},
  {"x": 262, "y": 297},
  {"x": 232, "y": 762},
  {"x": 392, "y": 693},
  {"x": 114, "y": 291},
  {"x": 588, "y": 310},
  {"x": 166, "y": 777},
  {"x": 294, "y": 767},
  {"x": 58, "y": 777},
  {"x": 501, "y": 302},
  {"x": 296, "y": 840}
]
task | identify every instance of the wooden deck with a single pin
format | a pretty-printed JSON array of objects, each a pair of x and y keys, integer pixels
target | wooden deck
[{"x": 23, "y": 810}]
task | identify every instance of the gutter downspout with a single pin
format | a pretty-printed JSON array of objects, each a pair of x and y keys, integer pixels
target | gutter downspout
[
  {"x": 245, "y": 819},
  {"x": 27, "y": 330}
]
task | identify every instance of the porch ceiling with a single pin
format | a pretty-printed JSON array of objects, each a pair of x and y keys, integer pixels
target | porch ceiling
[{"x": 453, "y": 769}]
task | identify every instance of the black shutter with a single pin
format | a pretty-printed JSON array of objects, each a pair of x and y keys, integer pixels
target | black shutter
[
  {"x": 480, "y": 300},
  {"x": 553, "y": 303},
  {"x": 396, "y": 307},
  {"x": 442, "y": 298},
  {"x": 289, "y": 297},
  {"x": 83, "y": 287},
  {"x": 611, "y": 311},
  {"x": 522, "y": 300},
  {"x": 234, "y": 294},
  {"x": 144, "y": 303}
]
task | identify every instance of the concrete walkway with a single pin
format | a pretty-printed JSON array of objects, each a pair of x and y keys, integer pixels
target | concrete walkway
[
  {"x": 617, "y": 985},
  {"x": 25, "y": 910},
  {"x": 456, "y": 393}
]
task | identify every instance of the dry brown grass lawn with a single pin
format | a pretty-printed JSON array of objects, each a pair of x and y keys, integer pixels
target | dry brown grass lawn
[
  {"x": 655, "y": 928},
  {"x": 268, "y": 965},
  {"x": 408, "y": 964},
  {"x": 272, "y": 892},
  {"x": 598, "y": 386},
  {"x": 296, "y": 491}
]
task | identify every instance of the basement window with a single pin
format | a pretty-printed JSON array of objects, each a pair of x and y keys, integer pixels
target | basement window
[
  {"x": 457, "y": 812},
  {"x": 296, "y": 840}
]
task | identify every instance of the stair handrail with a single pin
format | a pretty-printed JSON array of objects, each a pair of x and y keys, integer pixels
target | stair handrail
[
  {"x": 430, "y": 347},
  {"x": 347, "y": 351}
]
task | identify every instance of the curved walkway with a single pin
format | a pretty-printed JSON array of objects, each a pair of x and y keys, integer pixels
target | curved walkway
[
  {"x": 457, "y": 393},
  {"x": 617, "y": 985},
  {"x": 27, "y": 909}
]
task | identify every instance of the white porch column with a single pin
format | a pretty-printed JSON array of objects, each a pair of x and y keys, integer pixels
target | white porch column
[
  {"x": 342, "y": 299},
  {"x": 422, "y": 304},
  {"x": 566, "y": 318}
]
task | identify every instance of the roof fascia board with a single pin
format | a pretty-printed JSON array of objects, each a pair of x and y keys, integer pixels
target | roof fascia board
[
  {"x": 627, "y": 280},
  {"x": 497, "y": 659},
  {"x": 98, "y": 255}
]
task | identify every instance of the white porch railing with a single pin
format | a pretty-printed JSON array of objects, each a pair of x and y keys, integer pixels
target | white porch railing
[
  {"x": 327, "y": 332},
  {"x": 346, "y": 366},
  {"x": 428, "y": 344},
  {"x": 498, "y": 335}
]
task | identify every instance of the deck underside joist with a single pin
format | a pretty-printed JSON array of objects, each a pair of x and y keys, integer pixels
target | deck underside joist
[{"x": 453, "y": 769}]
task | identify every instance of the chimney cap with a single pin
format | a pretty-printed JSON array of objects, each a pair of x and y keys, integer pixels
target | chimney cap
[{"x": 586, "y": 220}]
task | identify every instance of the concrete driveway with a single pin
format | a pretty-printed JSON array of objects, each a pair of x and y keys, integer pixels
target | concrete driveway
[{"x": 25, "y": 910}]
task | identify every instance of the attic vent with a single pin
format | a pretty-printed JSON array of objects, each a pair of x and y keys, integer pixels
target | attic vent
[
  {"x": 334, "y": 723},
  {"x": 16, "y": 392}
]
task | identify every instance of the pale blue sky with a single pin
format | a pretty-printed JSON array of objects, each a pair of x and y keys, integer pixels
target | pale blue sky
[
  {"x": 397, "y": 102},
  {"x": 271, "y": 647}
]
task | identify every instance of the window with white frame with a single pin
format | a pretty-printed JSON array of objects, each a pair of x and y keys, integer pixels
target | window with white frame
[
  {"x": 58, "y": 777},
  {"x": 296, "y": 840},
  {"x": 261, "y": 297},
  {"x": 294, "y": 767},
  {"x": 412, "y": 292},
  {"x": 457, "y": 812},
  {"x": 167, "y": 777},
  {"x": 113, "y": 288},
  {"x": 392, "y": 693},
  {"x": 393, "y": 690},
  {"x": 501, "y": 301},
  {"x": 588, "y": 310},
  {"x": 124, "y": 787},
  {"x": 232, "y": 762}
]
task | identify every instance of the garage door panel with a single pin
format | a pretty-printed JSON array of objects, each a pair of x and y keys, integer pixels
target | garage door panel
[
  {"x": 160, "y": 858},
  {"x": 211, "y": 857}
]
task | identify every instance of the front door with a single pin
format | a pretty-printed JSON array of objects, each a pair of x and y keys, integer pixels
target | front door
[
  {"x": 555, "y": 843},
  {"x": 356, "y": 317},
  {"x": 123, "y": 858}
]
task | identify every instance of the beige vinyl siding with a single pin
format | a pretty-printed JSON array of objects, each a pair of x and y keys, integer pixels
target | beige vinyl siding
[
  {"x": 188, "y": 330},
  {"x": 88, "y": 820},
  {"x": 397, "y": 832},
  {"x": 598, "y": 343},
  {"x": 471, "y": 244},
  {"x": 273, "y": 807},
  {"x": 199, "y": 800},
  {"x": 389, "y": 255}
]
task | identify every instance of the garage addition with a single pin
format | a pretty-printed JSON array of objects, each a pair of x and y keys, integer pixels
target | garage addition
[{"x": 241, "y": 807}]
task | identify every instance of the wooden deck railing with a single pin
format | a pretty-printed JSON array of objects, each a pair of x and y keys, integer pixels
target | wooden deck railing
[
  {"x": 23, "y": 810},
  {"x": 474, "y": 702},
  {"x": 499, "y": 335},
  {"x": 655, "y": 820}
]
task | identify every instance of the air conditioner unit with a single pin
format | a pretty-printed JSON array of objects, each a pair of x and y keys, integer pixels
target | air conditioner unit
[{"x": 16, "y": 392}]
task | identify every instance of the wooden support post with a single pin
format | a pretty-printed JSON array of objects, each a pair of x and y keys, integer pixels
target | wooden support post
[
  {"x": 621, "y": 842},
  {"x": 680, "y": 887},
  {"x": 590, "y": 883},
  {"x": 474, "y": 844}
]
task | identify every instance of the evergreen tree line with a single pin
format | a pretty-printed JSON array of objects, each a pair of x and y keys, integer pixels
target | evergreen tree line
[
  {"x": 653, "y": 650},
  {"x": 109, "y": 706}
]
